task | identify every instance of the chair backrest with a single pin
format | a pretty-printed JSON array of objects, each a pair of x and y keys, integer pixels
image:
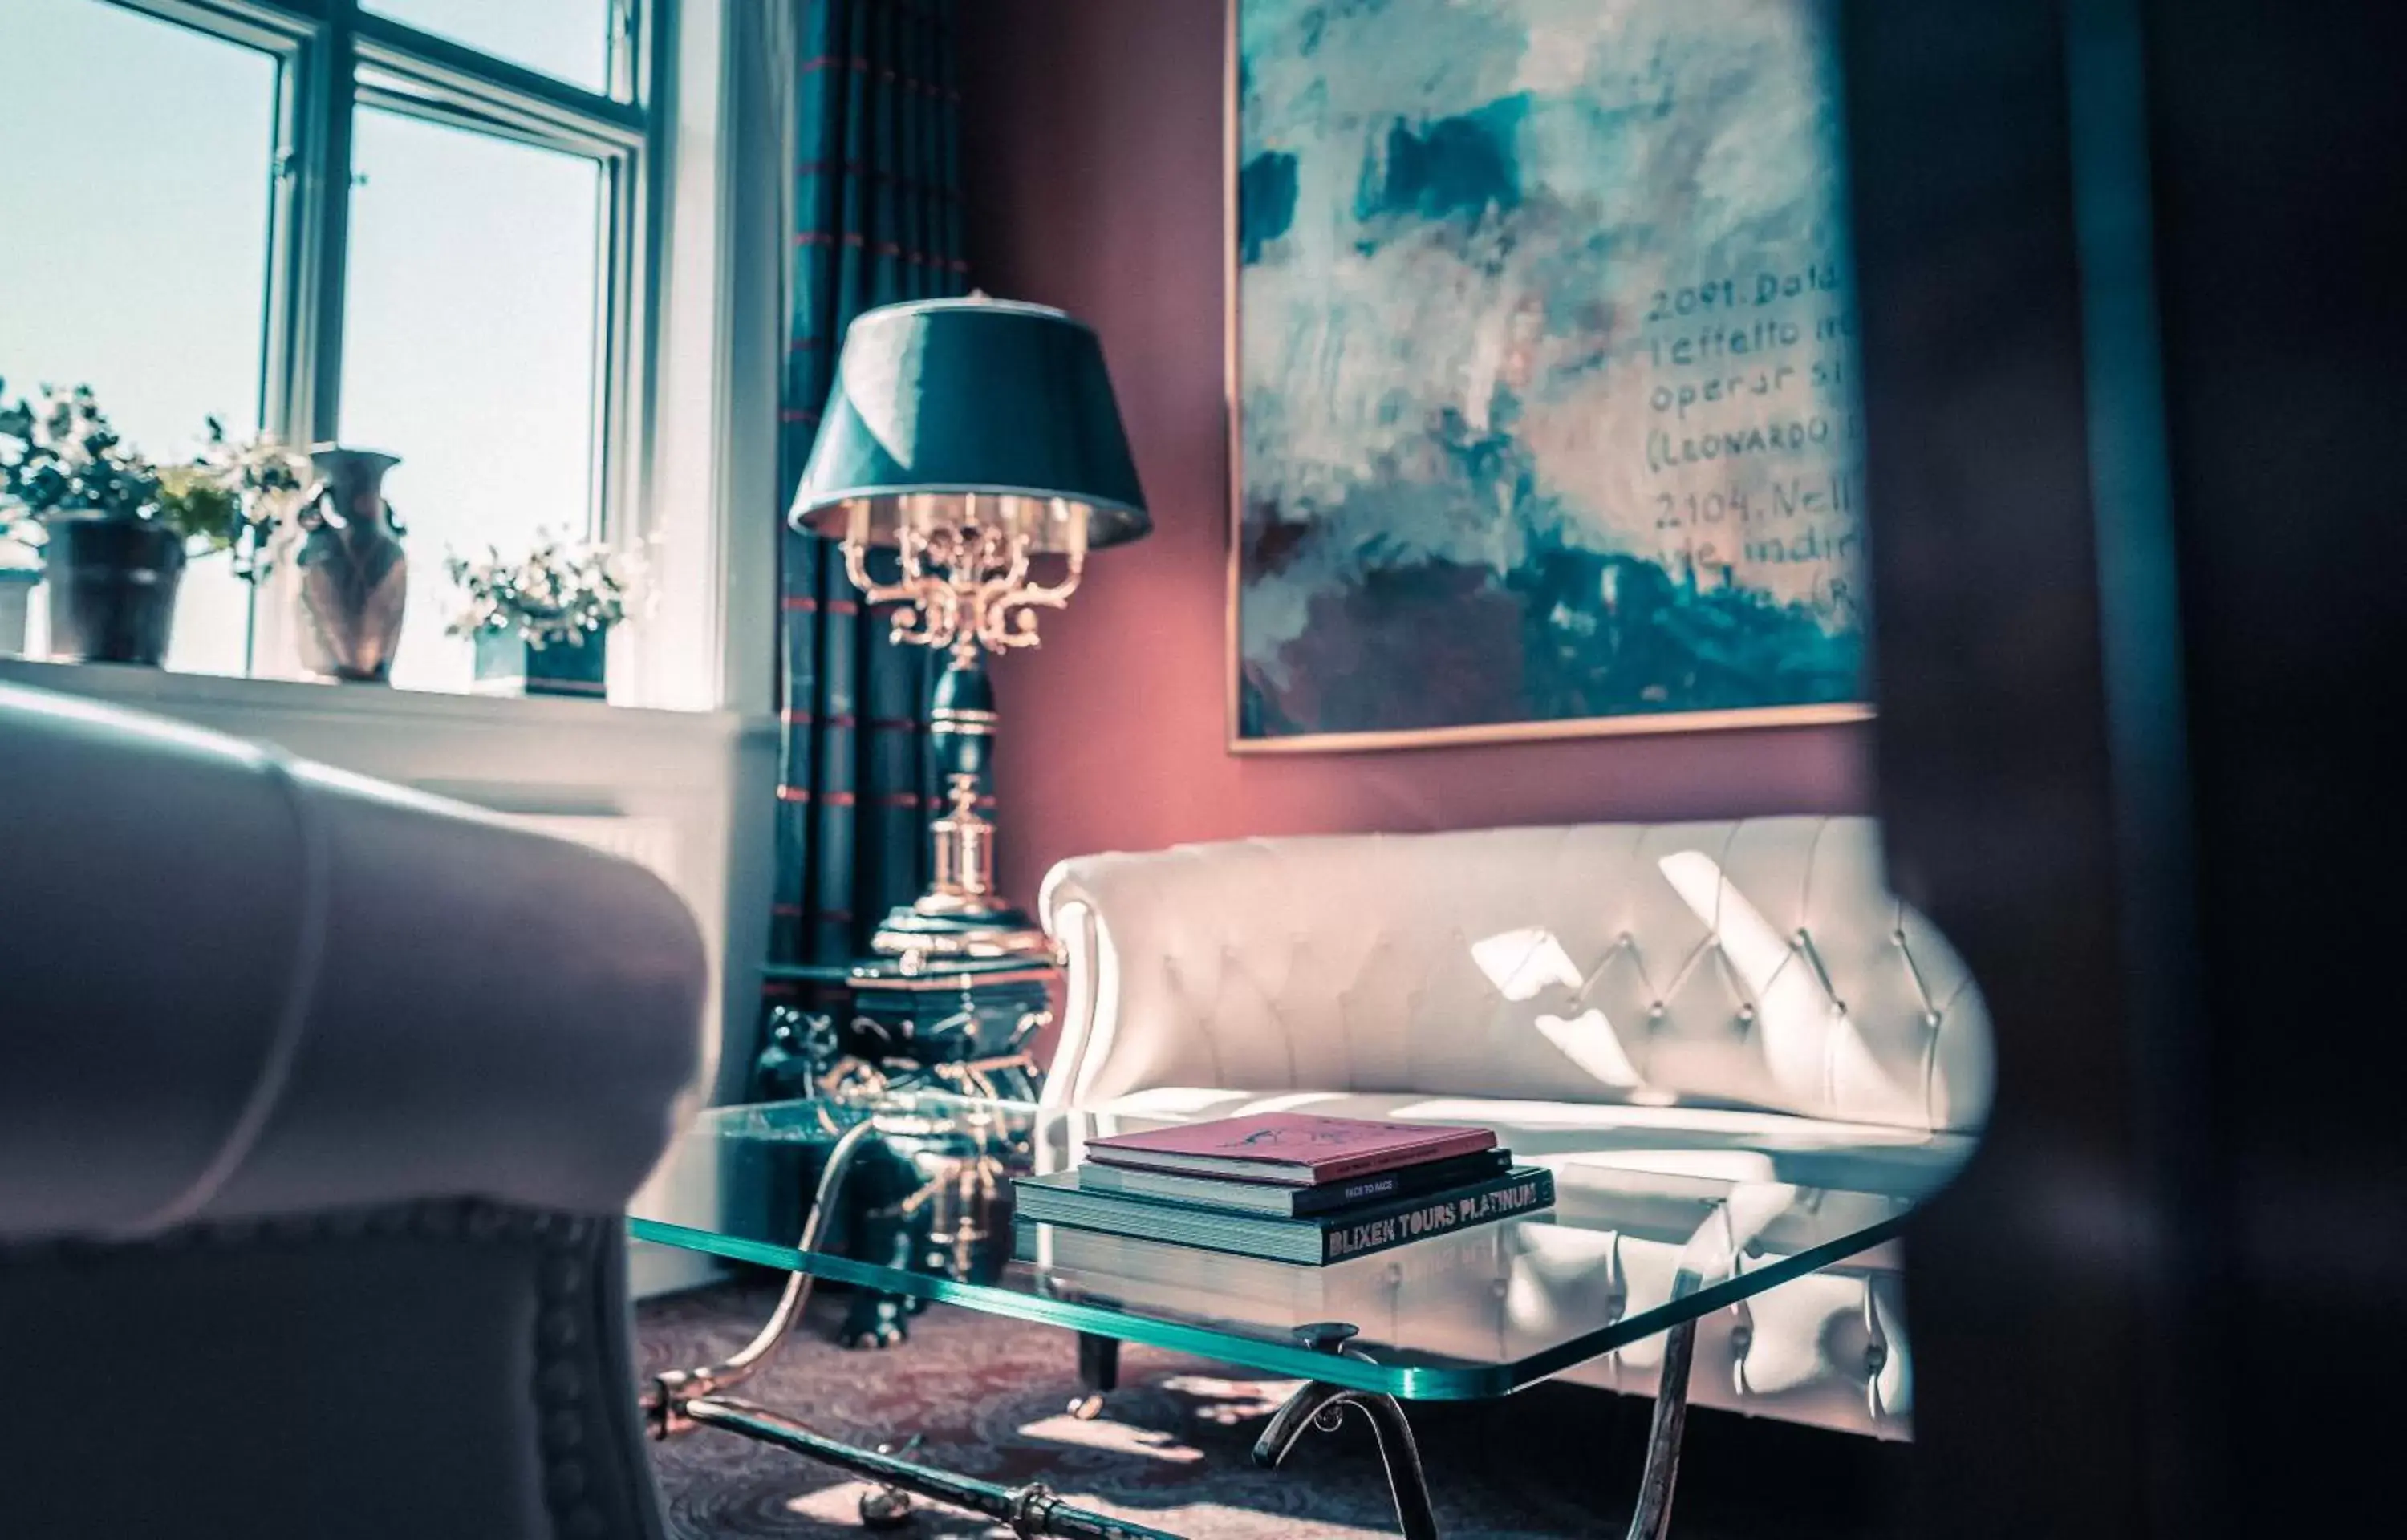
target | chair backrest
[
  {"x": 319, "y": 1103},
  {"x": 1761, "y": 963}
]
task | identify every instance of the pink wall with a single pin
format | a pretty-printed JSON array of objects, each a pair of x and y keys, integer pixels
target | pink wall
[{"x": 1092, "y": 141}]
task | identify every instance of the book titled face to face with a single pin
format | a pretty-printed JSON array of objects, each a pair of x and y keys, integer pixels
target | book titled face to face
[{"x": 1289, "y": 1147}]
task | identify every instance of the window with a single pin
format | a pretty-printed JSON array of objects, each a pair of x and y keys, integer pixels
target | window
[
  {"x": 411, "y": 225},
  {"x": 567, "y": 38},
  {"x": 133, "y": 259},
  {"x": 471, "y": 323}
]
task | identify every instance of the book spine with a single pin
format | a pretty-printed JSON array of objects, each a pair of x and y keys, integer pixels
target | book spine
[
  {"x": 1391, "y": 1158},
  {"x": 1343, "y": 1238},
  {"x": 1360, "y": 1191},
  {"x": 1433, "y": 1177}
]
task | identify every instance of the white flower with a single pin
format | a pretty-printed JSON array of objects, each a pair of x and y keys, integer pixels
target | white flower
[{"x": 557, "y": 593}]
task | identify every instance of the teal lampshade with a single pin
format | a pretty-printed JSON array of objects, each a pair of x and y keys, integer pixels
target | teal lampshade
[{"x": 936, "y": 400}]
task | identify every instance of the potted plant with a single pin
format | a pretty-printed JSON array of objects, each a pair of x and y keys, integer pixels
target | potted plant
[
  {"x": 268, "y": 483},
  {"x": 114, "y": 528},
  {"x": 541, "y": 623}
]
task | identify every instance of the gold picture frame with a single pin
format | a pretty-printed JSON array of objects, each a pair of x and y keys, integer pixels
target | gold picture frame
[{"x": 1757, "y": 718}]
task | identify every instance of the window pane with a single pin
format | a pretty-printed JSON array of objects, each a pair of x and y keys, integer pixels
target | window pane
[
  {"x": 134, "y": 229},
  {"x": 569, "y": 39},
  {"x": 471, "y": 331}
]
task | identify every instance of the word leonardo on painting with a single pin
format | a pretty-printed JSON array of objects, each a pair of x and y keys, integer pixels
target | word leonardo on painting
[{"x": 1542, "y": 358}]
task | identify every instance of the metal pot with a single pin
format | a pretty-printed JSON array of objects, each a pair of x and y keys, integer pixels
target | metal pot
[
  {"x": 16, "y": 588},
  {"x": 113, "y": 583},
  {"x": 507, "y": 665}
]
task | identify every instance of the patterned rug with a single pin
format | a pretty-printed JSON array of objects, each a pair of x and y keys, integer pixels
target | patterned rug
[{"x": 989, "y": 1397}]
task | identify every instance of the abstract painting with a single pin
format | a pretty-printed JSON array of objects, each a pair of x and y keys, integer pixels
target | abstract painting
[{"x": 1542, "y": 371}]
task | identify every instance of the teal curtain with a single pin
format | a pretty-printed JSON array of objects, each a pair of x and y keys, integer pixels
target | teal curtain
[{"x": 874, "y": 218}]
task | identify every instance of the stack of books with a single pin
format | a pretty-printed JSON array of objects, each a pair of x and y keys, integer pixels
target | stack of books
[{"x": 1288, "y": 1186}]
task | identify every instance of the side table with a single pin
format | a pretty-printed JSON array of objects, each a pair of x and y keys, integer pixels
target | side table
[{"x": 963, "y": 1027}]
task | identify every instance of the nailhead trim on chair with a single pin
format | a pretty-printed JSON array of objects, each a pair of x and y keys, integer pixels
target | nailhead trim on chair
[
  {"x": 560, "y": 1382},
  {"x": 563, "y": 1306},
  {"x": 442, "y": 1219}
]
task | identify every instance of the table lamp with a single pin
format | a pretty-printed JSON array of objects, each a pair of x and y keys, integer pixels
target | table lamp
[{"x": 973, "y": 436}]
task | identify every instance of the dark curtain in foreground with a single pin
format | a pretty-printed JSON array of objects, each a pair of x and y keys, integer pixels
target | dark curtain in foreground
[{"x": 873, "y": 218}]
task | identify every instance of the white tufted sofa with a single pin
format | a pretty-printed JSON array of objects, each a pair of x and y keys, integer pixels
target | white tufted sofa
[{"x": 1737, "y": 1000}]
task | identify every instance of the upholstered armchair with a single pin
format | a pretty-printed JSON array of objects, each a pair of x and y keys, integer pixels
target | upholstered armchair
[
  {"x": 1723, "y": 999},
  {"x": 320, "y": 1102}
]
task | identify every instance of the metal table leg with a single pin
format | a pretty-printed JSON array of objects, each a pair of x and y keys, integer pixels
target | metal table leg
[
  {"x": 1652, "y": 1518},
  {"x": 665, "y": 1398},
  {"x": 1317, "y": 1406},
  {"x": 1321, "y": 1406},
  {"x": 680, "y": 1400},
  {"x": 1099, "y": 1374}
]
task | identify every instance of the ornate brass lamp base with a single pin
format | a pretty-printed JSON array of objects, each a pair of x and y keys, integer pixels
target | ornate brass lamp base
[
  {"x": 965, "y": 586},
  {"x": 934, "y": 930},
  {"x": 961, "y": 917}
]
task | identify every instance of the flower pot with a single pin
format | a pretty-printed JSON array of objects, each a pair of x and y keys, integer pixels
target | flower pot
[
  {"x": 112, "y": 587},
  {"x": 506, "y": 665},
  {"x": 16, "y": 588},
  {"x": 353, "y": 578}
]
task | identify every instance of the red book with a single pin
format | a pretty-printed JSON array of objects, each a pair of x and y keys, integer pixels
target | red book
[{"x": 1291, "y": 1149}]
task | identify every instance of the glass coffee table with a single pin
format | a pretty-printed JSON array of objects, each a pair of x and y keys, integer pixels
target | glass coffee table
[{"x": 906, "y": 1198}]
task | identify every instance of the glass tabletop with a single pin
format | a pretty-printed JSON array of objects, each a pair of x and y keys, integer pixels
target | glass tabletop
[{"x": 1658, "y": 1219}]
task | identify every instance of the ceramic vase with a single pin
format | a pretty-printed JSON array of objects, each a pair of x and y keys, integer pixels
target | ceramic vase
[
  {"x": 113, "y": 583},
  {"x": 353, "y": 576}
]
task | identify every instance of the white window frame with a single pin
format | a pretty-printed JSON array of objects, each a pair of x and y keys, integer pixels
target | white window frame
[{"x": 340, "y": 55}]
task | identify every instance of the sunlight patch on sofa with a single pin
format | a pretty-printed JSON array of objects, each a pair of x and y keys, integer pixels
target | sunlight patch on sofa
[
  {"x": 1810, "y": 1044},
  {"x": 1589, "y": 1042},
  {"x": 1521, "y": 962}
]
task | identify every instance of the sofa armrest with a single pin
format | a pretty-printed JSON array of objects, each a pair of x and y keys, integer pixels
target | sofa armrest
[
  {"x": 236, "y": 986},
  {"x": 1160, "y": 948},
  {"x": 1091, "y": 1056}
]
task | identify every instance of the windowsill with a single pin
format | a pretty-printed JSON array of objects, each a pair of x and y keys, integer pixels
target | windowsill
[{"x": 171, "y": 692}]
